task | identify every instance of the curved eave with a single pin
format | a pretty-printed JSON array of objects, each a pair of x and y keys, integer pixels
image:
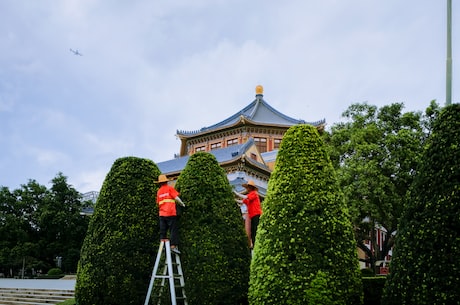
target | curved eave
[
  {"x": 242, "y": 121},
  {"x": 182, "y": 134},
  {"x": 249, "y": 163}
]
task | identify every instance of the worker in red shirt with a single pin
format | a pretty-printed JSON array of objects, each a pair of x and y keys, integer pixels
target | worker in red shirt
[
  {"x": 252, "y": 201},
  {"x": 166, "y": 200}
]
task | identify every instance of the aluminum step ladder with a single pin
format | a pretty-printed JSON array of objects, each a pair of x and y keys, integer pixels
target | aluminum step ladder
[{"x": 174, "y": 275}]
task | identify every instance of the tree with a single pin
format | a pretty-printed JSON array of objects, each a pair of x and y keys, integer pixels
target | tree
[
  {"x": 122, "y": 237},
  {"x": 38, "y": 224},
  {"x": 215, "y": 253},
  {"x": 426, "y": 264},
  {"x": 305, "y": 250},
  {"x": 375, "y": 154},
  {"x": 61, "y": 227},
  {"x": 18, "y": 228}
]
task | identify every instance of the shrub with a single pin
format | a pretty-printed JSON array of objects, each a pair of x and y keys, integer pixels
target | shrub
[
  {"x": 367, "y": 272},
  {"x": 55, "y": 271},
  {"x": 121, "y": 242},
  {"x": 373, "y": 288},
  {"x": 305, "y": 250},
  {"x": 214, "y": 248},
  {"x": 425, "y": 266}
]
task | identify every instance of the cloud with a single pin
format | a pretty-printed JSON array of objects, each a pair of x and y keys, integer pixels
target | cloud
[{"x": 149, "y": 68}]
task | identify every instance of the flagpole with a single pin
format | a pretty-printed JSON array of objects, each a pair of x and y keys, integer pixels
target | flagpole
[{"x": 449, "y": 54}]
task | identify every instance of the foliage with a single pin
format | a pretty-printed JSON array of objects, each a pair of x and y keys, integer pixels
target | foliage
[
  {"x": 304, "y": 249},
  {"x": 61, "y": 233},
  {"x": 373, "y": 288},
  {"x": 375, "y": 154},
  {"x": 55, "y": 271},
  {"x": 214, "y": 247},
  {"x": 116, "y": 256},
  {"x": 37, "y": 224},
  {"x": 367, "y": 272},
  {"x": 426, "y": 263}
]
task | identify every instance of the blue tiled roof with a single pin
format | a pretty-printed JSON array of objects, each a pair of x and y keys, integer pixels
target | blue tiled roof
[
  {"x": 258, "y": 111},
  {"x": 222, "y": 155},
  {"x": 270, "y": 156},
  {"x": 237, "y": 184}
]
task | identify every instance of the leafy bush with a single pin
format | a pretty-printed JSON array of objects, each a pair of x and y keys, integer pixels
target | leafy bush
[
  {"x": 55, "y": 271},
  {"x": 373, "y": 288},
  {"x": 214, "y": 248},
  {"x": 426, "y": 263},
  {"x": 122, "y": 239},
  {"x": 367, "y": 272},
  {"x": 305, "y": 251}
]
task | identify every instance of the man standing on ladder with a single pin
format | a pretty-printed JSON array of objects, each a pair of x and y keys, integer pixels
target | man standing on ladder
[
  {"x": 252, "y": 200},
  {"x": 166, "y": 200}
]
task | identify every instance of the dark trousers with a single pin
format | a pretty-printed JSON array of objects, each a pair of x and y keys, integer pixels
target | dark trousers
[
  {"x": 254, "y": 225},
  {"x": 169, "y": 223}
]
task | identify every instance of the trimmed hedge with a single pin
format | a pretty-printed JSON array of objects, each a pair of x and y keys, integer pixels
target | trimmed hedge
[
  {"x": 215, "y": 254},
  {"x": 425, "y": 268},
  {"x": 373, "y": 289},
  {"x": 55, "y": 271},
  {"x": 305, "y": 252},
  {"x": 119, "y": 250}
]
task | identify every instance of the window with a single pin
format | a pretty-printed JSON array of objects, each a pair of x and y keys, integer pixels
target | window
[
  {"x": 232, "y": 142},
  {"x": 200, "y": 148},
  {"x": 276, "y": 143},
  {"x": 253, "y": 156},
  {"x": 216, "y": 145},
  {"x": 261, "y": 144}
]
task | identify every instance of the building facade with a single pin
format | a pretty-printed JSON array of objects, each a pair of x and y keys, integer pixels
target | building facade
[{"x": 245, "y": 144}]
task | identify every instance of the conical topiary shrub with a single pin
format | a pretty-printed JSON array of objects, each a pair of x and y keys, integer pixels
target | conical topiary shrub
[
  {"x": 305, "y": 251},
  {"x": 122, "y": 238},
  {"x": 425, "y": 268},
  {"x": 214, "y": 247}
]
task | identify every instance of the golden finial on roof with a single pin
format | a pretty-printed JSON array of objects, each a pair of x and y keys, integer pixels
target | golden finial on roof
[{"x": 259, "y": 90}]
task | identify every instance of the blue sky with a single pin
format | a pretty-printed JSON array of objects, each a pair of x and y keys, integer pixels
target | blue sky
[{"x": 150, "y": 68}]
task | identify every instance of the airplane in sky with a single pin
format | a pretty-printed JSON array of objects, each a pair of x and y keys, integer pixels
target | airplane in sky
[{"x": 75, "y": 52}]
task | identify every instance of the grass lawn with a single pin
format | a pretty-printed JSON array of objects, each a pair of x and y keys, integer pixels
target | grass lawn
[{"x": 68, "y": 302}]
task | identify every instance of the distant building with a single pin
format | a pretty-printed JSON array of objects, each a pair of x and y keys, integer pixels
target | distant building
[
  {"x": 245, "y": 144},
  {"x": 91, "y": 197}
]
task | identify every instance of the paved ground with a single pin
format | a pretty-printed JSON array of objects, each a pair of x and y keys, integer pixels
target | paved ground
[{"x": 61, "y": 284}]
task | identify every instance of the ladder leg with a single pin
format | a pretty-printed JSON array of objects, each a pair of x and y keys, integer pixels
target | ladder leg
[
  {"x": 170, "y": 273},
  {"x": 181, "y": 278},
  {"x": 162, "y": 284},
  {"x": 154, "y": 272}
]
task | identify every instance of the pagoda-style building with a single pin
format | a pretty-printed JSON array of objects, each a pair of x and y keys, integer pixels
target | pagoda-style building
[{"x": 245, "y": 144}]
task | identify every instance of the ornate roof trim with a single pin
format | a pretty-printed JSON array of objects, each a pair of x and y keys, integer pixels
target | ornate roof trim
[
  {"x": 224, "y": 156},
  {"x": 257, "y": 112}
]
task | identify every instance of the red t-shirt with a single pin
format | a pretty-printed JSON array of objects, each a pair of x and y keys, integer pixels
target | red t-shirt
[
  {"x": 253, "y": 202},
  {"x": 165, "y": 200}
]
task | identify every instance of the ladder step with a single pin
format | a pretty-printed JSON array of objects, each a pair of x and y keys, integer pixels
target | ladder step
[
  {"x": 167, "y": 277},
  {"x": 176, "y": 280}
]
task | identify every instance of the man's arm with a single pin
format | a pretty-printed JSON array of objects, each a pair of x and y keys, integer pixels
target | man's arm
[
  {"x": 240, "y": 195},
  {"x": 180, "y": 201}
]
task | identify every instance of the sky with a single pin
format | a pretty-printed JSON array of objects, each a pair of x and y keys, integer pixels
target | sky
[{"x": 150, "y": 68}]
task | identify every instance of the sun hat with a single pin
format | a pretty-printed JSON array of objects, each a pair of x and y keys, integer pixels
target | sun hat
[
  {"x": 162, "y": 178},
  {"x": 250, "y": 183}
]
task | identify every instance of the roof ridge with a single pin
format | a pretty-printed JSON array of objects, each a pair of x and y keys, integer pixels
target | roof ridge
[{"x": 249, "y": 112}]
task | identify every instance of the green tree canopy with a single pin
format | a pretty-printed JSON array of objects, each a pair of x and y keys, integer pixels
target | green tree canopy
[
  {"x": 61, "y": 226},
  {"x": 214, "y": 247},
  {"x": 118, "y": 252},
  {"x": 425, "y": 267},
  {"x": 305, "y": 251},
  {"x": 375, "y": 153},
  {"x": 38, "y": 224}
]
